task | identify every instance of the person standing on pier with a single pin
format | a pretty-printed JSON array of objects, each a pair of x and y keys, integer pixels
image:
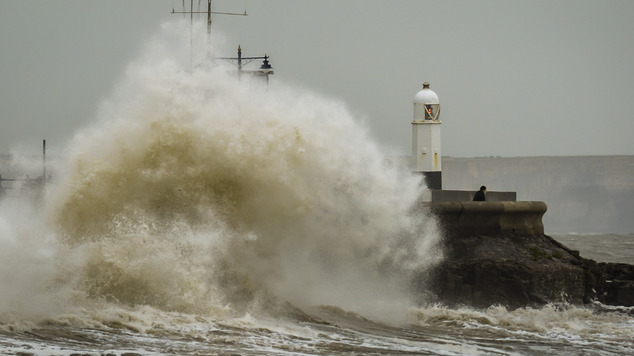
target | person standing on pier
[{"x": 480, "y": 195}]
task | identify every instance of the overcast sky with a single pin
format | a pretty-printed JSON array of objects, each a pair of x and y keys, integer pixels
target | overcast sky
[{"x": 514, "y": 78}]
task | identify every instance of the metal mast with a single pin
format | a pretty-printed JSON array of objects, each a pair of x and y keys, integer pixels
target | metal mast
[
  {"x": 264, "y": 71},
  {"x": 209, "y": 12}
]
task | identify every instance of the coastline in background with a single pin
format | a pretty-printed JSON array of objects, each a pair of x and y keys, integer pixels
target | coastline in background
[
  {"x": 584, "y": 194},
  {"x": 614, "y": 248}
]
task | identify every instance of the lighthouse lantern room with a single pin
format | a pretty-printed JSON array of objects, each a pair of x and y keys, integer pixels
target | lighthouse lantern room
[{"x": 426, "y": 154}]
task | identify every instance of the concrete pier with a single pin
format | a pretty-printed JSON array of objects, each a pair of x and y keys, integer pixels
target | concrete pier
[
  {"x": 496, "y": 252},
  {"x": 491, "y": 218},
  {"x": 467, "y": 195}
]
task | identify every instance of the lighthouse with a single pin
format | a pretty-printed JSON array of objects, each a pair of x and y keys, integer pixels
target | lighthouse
[{"x": 426, "y": 154}]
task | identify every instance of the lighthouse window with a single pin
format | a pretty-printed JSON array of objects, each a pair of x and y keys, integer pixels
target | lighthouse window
[{"x": 428, "y": 112}]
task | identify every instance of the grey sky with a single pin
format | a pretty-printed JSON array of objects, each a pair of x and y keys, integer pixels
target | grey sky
[{"x": 515, "y": 78}]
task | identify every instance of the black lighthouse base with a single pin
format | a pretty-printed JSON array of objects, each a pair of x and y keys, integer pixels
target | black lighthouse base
[{"x": 433, "y": 180}]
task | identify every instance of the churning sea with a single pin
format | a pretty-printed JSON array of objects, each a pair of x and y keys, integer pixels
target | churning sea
[
  {"x": 108, "y": 328},
  {"x": 199, "y": 215}
]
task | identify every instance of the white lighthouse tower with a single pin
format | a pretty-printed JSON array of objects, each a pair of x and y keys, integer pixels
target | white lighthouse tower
[{"x": 426, "y": 154}]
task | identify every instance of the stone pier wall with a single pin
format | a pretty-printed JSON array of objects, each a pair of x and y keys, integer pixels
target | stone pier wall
[
  {"x": 491, "y": 218},
  {"x": 496, "y": 253}
]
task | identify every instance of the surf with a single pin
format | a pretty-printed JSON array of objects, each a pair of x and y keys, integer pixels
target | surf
[{"x": 194, "y": 192}]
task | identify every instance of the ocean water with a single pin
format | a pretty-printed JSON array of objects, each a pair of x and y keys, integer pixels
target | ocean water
[
  {"x": 614, "y": 248},
  {"x": 202, "y": 215}
]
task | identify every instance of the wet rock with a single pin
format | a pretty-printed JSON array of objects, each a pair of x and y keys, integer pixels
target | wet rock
[
  {"x": 517, "y": 271},
  {"x": 497, "y": 253},
  {"x": 618, "y": 284}
]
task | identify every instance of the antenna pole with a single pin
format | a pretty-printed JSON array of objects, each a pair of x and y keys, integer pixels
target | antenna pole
[
  {"x": 209, "y": 29},
  {"x": 209, "y": 13},
  {"x": 44, "y": 160},
  {"x": 191, "y": 35},
  {"x": 209, "y": 17}
]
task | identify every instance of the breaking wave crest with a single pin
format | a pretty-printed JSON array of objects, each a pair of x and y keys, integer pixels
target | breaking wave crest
[{"x": 196, "y": 192}]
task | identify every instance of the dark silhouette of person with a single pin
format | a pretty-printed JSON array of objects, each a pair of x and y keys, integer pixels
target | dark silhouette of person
[{"x": 481, "y": 195}]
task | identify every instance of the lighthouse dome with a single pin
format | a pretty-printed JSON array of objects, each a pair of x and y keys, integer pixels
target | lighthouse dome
[{"x": 426, "y": 96}]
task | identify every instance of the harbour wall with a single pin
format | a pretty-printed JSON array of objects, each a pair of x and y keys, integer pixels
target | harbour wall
[
  {"x": 462, "y": 218},
  {"x": 496, "y": 252}
]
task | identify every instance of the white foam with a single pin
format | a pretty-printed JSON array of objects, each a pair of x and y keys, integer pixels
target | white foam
[{"x": 194, "y": 192}]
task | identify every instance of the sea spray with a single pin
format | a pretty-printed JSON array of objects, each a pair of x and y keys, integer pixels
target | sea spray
[
  {"x": 195, "y": 192},
  {"x": 28, "y": 268}
]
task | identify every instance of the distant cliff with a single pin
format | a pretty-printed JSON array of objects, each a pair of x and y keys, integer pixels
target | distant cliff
[{"x": 584, "y": 194}]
